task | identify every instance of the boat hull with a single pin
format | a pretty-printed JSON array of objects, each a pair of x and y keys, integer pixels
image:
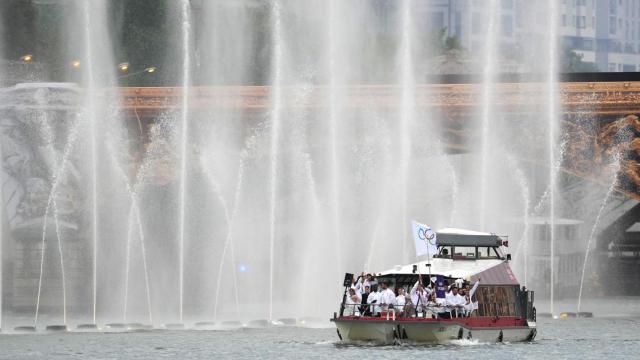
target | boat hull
[{"x": 434, "y": 331}]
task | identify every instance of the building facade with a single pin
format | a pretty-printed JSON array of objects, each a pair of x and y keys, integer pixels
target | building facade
[{"x": 604, "y": 32}]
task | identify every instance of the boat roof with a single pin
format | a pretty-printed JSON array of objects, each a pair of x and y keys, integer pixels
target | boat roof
[
  {"x": 542, "y": 220},
  {"x": 490, "y": 271},
  {"x": 461, "y": 232},
  {"x": 447, "y": 267},
  {"x": 462, "y": 237}
]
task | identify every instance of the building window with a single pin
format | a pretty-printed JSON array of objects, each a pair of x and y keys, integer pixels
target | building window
[
  {"x": 587, "y": 44},
  {"x": 615, "y": 46},
  {"x": 582, "y": 22},
  {"x": 507, "y": 4},
  {"x": 612, "y": 7},
  {"x": 564, "y": 20},
  {"x": 628, "y": 48},
  {"x": 507, "y": 26},
  {"x": 612, "y": 25}
]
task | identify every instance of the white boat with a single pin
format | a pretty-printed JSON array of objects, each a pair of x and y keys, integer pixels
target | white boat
[{"x": 504, "y": 311}]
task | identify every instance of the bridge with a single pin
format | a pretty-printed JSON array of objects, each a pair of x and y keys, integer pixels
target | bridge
[{"x": 585, "y": 106}]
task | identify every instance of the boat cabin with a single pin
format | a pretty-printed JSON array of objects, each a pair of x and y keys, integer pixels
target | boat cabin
[{"x": 470, "y": 245}]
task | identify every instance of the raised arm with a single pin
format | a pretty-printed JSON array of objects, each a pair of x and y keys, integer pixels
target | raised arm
[
  {"x": 357, "y": 285},
  {"x": 474, "y": 288},
  {"x": 414, "y": 289}
]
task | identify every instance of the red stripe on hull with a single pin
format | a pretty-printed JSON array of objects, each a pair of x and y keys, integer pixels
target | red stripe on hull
[{"x": 471, "y": 322}]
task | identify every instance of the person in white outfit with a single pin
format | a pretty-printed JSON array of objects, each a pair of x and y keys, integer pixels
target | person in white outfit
[
  {"x": 401, "y": 300},
  {"x": 466, "y": 303},
  {"x": 353, "y": 300},
  {"x": 387, "y": 299},
  {"x": 373, "y": 301},
  {"x": 365, "y": 280},
  {"x": 454, "y": 302},
  {"x": 420, "y": 296}
]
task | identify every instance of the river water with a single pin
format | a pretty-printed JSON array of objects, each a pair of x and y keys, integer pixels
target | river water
[{"x": 596, "y": 338}]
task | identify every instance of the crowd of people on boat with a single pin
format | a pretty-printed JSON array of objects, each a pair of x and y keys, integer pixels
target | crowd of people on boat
[{"x": 369, "y": 297}]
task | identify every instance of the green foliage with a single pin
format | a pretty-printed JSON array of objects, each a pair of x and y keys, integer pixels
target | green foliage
[
  {"x": 452, "y": 42},
  {"x": 439, "y": 43},
  {"x": 572, "y": 62}
]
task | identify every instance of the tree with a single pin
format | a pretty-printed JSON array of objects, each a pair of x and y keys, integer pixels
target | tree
[
  {"x": 439, "y": 42},
  {"x": 571, "y": 61}
]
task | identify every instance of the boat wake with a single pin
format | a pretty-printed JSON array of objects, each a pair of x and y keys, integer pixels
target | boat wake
[{"x": 466, "y": 342}]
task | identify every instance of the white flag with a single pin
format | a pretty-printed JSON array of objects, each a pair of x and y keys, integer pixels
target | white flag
[{"x": 425, "y": 239}]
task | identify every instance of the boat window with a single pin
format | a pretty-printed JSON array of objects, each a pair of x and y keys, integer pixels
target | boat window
[
  {"x": 483, "y": 252},
  {"x": 445, "y": 252},
  {"x": 464, "y": 252},
  {"x": 488, "y": 253}
]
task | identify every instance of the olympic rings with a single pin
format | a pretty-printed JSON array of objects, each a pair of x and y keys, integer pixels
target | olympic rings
[{"x": 426, "y": 234}]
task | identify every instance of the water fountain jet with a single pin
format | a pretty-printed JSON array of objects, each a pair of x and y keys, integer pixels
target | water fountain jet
[
  {"x": 57, "y": 175},
  {"x": 276, "y": 108},
  {"x": 488, "y": 111},
  {"x": 407, "y": 115},
  {"x": 184, "y": 133},
  {"x": 615, "y": 170},
  {"x": 552, "y": 118}
]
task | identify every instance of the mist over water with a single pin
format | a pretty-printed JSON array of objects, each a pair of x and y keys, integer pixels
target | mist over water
[{"x": 253, "y": 206}]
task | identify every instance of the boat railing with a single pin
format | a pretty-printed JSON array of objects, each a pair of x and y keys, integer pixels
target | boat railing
[
  {"x": 390, "y": 312},
  {"x": 434, "y": 310}
]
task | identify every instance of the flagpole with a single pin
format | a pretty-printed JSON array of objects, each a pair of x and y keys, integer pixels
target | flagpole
[{"x": 429, "y": 262}]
